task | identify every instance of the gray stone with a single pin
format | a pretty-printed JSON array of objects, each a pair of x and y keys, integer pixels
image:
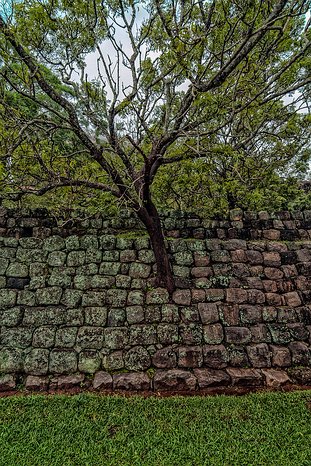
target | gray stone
[
  {"x": 49, "y": 295},
  {"x": 11, "y": 360},
  {"x": 7, "y": 298},
  {"x": 116, "y": 317},
  {"x": 66, "y": 337},
  {"x": 134, "y": 314},
  {"x": 113, "y": 361},
  {"x": 90, "y": 337},
  {"x": 157, "y": 296},
  {"x": 143, "y": 335},
  {"x": 62, "y": 362},
  {"x": 76, "y": 258},
  {"x": 96, "y": 316},
  {"x": 89, "y": 361},
  {"x": 11, "y": 317},
  {"x": 19, "y": 337},
  {"x": 131, "y": 381},
  {"x": 174, "y": 379},
  {"x": 137, "y": 359},
  {"x": 138, "y": 270},
  {"x": 26, "y": 297},
  {"x": 72, "y": 243},
  {"x": 117, "y": 297},
  {"x": 43, "y": 337},
  {"x": 56, "y": 258},
  {"x": 135, "y": 298},
  {"x": 28, "y": 256},
  {"x": 102, "y": 381},
  {"x": 109, "y": 268},
  {"x": 37, "y": 362},
  {"x": 94, "y": 298},
  {"x": 53, "y": 243},
  {"x": 17, "y": 269},
  {"x": 44, "y": 316},
  {"x": 116, "y": 337}
]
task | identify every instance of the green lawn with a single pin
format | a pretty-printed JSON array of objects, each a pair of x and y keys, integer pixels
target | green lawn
[{"x": 92, "y": 430}]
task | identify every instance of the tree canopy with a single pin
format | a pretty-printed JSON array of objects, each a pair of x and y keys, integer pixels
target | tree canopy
[{"x": 217, "y": 86}]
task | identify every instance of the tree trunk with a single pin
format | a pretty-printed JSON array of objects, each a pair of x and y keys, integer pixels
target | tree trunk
[{"x": 151, "y": 220}]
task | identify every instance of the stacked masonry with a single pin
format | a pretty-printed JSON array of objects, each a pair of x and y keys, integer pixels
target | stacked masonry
[{"x": 78, "y": 305}]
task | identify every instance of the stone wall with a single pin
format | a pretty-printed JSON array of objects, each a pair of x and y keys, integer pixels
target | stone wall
[{"x": 78, "y": 304}]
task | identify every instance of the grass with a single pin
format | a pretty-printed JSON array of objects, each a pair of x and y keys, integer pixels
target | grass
[{"x": 92, "y": 430}]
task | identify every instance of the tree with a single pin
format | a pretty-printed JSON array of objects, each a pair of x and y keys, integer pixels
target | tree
[{"x": 191, "y": 68}]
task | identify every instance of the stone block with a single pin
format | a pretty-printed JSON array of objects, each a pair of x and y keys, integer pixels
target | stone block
[
  {"x": 89, "y": 361},
  {"x": 213, "y": 334},
  {"x": 90, "y": 337},
  {"x": 76, "y": 258},
  {"x": 48, "y": 296},
  {"x": 281, "y": 356},
  {"x": 94, "y": 298},
  {"x": 143, "y": 334},
  {"x": 272, "y": 273},
  {"x": 215, "y": 356},
  {"x": 19, "y": 337},
  {"x": 66, "y": 382},
  {"x": 157, "y": 296},
  {"x": 137, "y": 359},
  {"x": 197, "y": 296},
  {"x": 259, "y": 355},
  {"x": 43, "y": 337},
  {"x": 116, "y": 317},
  {"x": 116, "y": 337},
  {"x": 255, "y": 297},
  {"x": 229, "y": 314},
  {"x": 7, "y": 298},
  {"x": 37, "y": 362},
  {"x": 175, "y": 380},
  {"x": 131, "y": 381},
  {"x": 62, "y": 362},
  {"x": 109, "y": 268},
  {"x": 260, "y": 333},
  {"x": 138, "y": 270},
  {"x": 238, "y": 335},
  {"x": 208, "y": 313},
  {"x": 275, "y": 378},
  {"x": 215, "y": 294},
  {"x": 7, "y": 383},
  {"x": 250, "y": 314},
  {"x": 71, "y": 298},
  {"x": 292, "y": 299},
  {"x": 280, "y": 333},
  {"x": 182, "y": 297},
  {"x": 11, "y": 317},
  {"x": 113, "y": 361},
  {"x": 236, "y": 295},
  {"x": 190, "y": 334},
  {"x": 211, "y": 378},
  {"x": 301, "y": 355},
  {"x": 35, "y": 383},
  {"x": 102, "y": 381},
  {"x": 164, "y": 358},
  {"x": 245, "y": 377},
  {"x": 190, "y": 356},
  {"x": 170, "y": 313},
  {"x": 136, "y": 297}
]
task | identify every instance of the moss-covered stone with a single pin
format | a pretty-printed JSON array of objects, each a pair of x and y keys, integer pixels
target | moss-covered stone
[
  {"x": 116, "y": 317},
  {"x": 44, "y": 316},
  {"x": 138, "y": 270},
  {"x": 53, "y": 243},
  {"x": 59, "y": 278},
  {"x": 96, "y": 316},
  {"x": 89, "y": 361},
  {"x": 20, "y": 337},
  {"x": 107, "y": 242},
  {"x": 11, "y": 360},
  {"x": 31, "y": 243},
  {"x": 137, "y": 359},
  {"x": 75, "y": 258},
  {"x": 143, "y": 334},
  {"x": 183, "y": 258},
  {"x": 135, "y": 297},
  {"x": 44, "y": 337},
  {"x": 28, "y": 256},
  {"x": 90, "y": 337},
  {"x": 113, "y": 361},
  {"x": 93, "y": 298},
  {"x": 7, "y": 298},
  {"x": 72, "y": 243},
  {"x": 71, "y": 298},
  {"x": 89, "y": 242},
  {"x": 63, "y": 362},
  {"x": 37, "y": 362},
  {"x": 109, "y": 268},
  {"x": 3, "y": 265},
  {"x": 115, "y": 337},
  {"x": 56, "y": 258},
  {"x": 66, "y": 337},
  {"x": 11, "y": 317},
  {"x": 50, "y": 295}
]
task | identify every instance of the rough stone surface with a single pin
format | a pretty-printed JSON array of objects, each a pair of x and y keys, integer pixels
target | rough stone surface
[
  {"x": 102, "y": 381},
  {"x": 83, "y": 297}
]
